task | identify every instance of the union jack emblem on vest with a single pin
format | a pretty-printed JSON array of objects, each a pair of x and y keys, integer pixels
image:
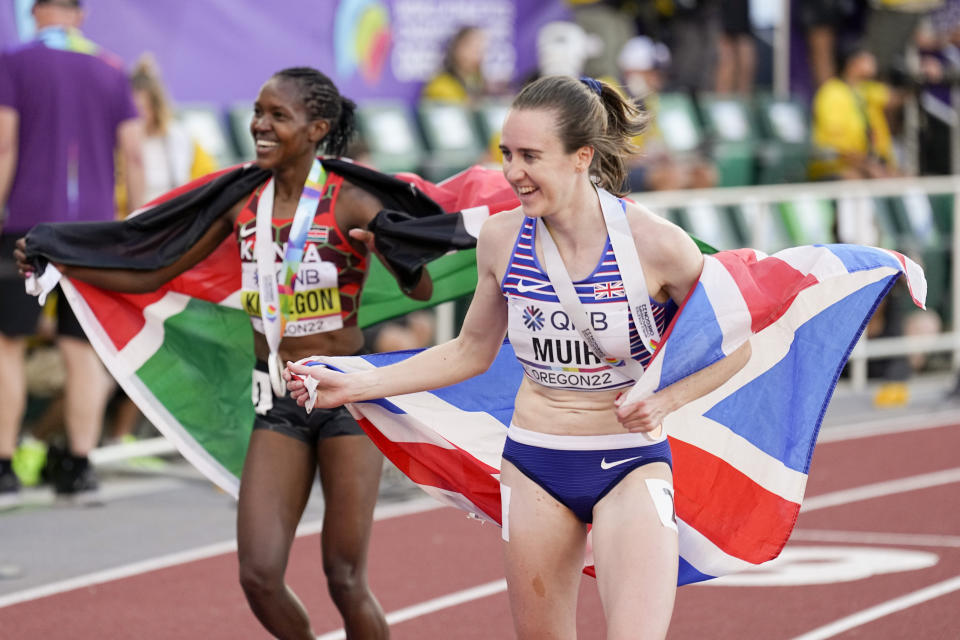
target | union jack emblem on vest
[{"x": 606, "y": 290}]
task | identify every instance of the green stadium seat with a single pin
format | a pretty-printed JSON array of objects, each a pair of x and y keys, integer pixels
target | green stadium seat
[
  {"x": 921, "y": 238},
  {"x": 490, "y": 116},
  {"x": 808, "y": 220},
  {"x": 390, "y": 132},
  {"x": 763, "y": 228},
  {"x": 206, "y": 124},
  {"x": 857, "y": 210},
  {"x": 914, "y": 216},
  {"x": 784, "y": 150},
  {"x": 453, "y": 140},
  {"x": 238, "y": 117},
  {"x": 678, "y": 122},
  {"x": 942, "y": 204},
  {"x": 730, "y": 125},
  {"x": 714, "y": 225}
]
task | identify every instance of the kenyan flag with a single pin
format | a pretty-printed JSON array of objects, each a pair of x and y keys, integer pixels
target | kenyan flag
[{"x": 184, "y": 353}]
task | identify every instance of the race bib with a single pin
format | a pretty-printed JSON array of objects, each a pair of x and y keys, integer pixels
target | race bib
[
  {"x": 553, "y": 353},
  {"x": 315, "y": 304}
]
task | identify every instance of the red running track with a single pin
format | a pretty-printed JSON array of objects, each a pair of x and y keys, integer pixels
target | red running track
[{"x": 905, "y": 510}]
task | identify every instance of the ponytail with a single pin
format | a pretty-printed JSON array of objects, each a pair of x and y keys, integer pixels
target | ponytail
[{"x": 590, "y": 113}]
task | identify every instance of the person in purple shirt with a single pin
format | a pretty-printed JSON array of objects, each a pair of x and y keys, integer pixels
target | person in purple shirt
[{"x": 65, "y": 110}]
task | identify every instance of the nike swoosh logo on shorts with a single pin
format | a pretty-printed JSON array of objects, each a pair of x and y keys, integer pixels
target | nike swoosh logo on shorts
[
  {"x": 523, "y": 288},
  {"x": 609, "y": 465}
]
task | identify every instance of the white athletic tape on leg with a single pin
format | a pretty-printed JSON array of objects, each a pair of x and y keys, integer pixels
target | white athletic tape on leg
[
  {"x": 662, "y": 493},
  {"x": 505, "y": 512}
]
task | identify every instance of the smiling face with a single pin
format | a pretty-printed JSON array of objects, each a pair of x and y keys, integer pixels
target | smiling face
[
  {"x": 543, "y": 174},
  {"x": 281, "y": 128}
]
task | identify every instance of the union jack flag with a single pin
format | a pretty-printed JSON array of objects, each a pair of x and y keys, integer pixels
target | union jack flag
[
  {"x": 741, "y": 453},
  {"x": 607, "y": 290}
]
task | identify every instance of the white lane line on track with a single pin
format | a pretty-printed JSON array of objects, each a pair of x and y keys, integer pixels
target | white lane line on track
[
  {"x": 880, "y": 489},
  {"x": 875, "y": 537},
  {"x": 884, "y": 609},
  {"x": 892, "y": 424},
  {"x": 430, "y": 606},
  {"x": 385, "y": 512}
]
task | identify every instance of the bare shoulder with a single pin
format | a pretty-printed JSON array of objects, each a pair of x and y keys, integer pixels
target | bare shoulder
[
  {"x": 501, "y": 226},
  {"x": 671, "y": 260},
  {"x": 356, "y": 205},
  {"x": 497, "y": 236}
]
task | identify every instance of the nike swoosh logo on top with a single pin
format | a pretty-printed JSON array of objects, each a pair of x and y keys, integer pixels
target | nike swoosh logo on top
[
  {"x": 247, "y": 231},
  {"x": 609, "y": 465},
  {"x": 525, "y": 288}
]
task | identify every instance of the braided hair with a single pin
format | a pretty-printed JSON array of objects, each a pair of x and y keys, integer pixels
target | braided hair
[{"x": 322, "y": 101}]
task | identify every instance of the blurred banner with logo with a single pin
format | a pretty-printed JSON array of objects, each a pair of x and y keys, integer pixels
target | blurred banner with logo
[{"x": 222, "y": 50}]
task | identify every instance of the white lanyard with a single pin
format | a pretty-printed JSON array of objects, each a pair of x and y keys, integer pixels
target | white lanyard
[
  {"x": 270, "y": 305},
  {"x": 635, "y": 285}
]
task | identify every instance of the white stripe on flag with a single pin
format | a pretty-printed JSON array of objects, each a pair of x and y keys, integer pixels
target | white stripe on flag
[
  {"x": 819, "y": 262},
  {"x": 768, "y": 349},
  {"x": 402, "y": 427},
  {"x": 706, "y": 557},
  {"x": 916, "y": 280},
  {"x": 152, "y": 409},
  {"x": 458, "y": 500},
  {"x": 474, "y": 431},
  {"x": 143, "y": 345},
  {"x": 473, "y": 218},
  {"x": 232, "y": 300},
  {"x": 763, "y": 469},
  {"x": 732, "y": 313}
]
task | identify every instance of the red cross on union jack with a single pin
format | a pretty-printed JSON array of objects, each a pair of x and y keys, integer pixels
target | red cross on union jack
[{"x": 605, "y": 290}]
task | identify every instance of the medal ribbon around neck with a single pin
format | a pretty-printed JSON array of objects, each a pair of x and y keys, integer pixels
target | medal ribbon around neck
[{"x": 276, "y": 296}]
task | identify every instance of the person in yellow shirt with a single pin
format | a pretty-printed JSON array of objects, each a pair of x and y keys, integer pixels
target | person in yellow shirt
[
  {"x": 851, "y": 134},
  {"x": 460, "y": 79}
]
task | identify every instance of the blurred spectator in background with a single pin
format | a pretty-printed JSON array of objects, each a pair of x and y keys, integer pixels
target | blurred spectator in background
[
  {"x": 938, "y": 44},
  {"x": 890, "y": 26},
  {"x": 642, "y": 65},
  {"x": 821, "y": 19},
  {"x": 562, "y": 49},
  {"x": 611, "y": 26},
  {"x": 851, "y": 134},
  {"x": 65, "y": 108},
  {"x": 171, "y": 157},
  {"x": 460, "y": 79},
  {"x": 736, "y": 49},
  {"x": 693, "y": 41}
]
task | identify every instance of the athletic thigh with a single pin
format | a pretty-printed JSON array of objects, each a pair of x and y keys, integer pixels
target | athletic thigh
[
  {"x": 350, "y": 468},
  {"x": 635, "y": 553},
  {"x": 543, "y": 554},
  {"x": 274, "y": 488}
]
